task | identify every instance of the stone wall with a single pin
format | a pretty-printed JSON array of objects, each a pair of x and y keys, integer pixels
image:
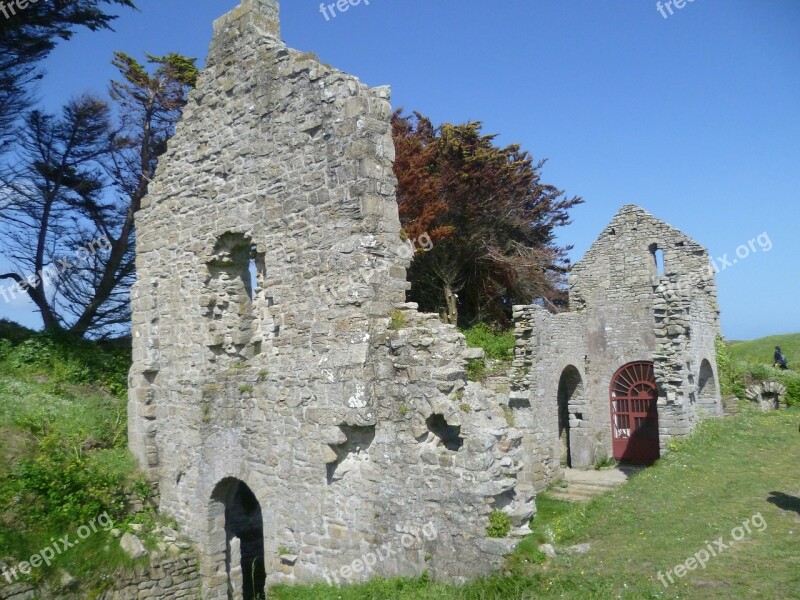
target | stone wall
[
  {"x": 624, "y": 309},
  {"x": 300, "y": 420},
  {"x": 548, "y": 346},
  {"x": 272, "y": 345},
  {"x": 176, "y": 578},
  {"x": 165, "y": 578}
]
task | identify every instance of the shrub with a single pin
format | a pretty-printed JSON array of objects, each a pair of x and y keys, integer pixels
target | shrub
[
  {"x": 604, "y": 463},
  {"x": 64, "y": 451},
  {"x": 497, "y": 345},
  {"x": 5, "y": 349},
  {"x": 14, "y": 332},
  {"x": 64, "y": 487},
  {"x": 729, "y": 371},
  {"x": 792, "y": 383},
  {"x": 476, "y": 369},
  {"x": 499, "y": 524},
  {"x": 66, "y": 359}
]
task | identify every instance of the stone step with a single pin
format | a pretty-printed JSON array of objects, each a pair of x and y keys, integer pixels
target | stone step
[
  {"x": 582, "y": 486},
  {"x": 570, "y": 496},
  {"x": 599, "y": 485},
  {"x": 582, "y": 490},
  {"x": 590, "y": 488}
]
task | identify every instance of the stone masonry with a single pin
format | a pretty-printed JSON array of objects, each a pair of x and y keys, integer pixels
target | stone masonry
[
  {"x": 164, "y": 578},
  {"x": 623, "y": 310},
  {"x": 303, "y": 422},
  {"x": 281, "y": 390}
]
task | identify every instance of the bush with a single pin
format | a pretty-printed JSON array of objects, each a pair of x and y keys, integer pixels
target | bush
[
  {"x": 14, "y": 332},
  {"x": 499, "y": 524},
  {"x": 729, "y": 370},
  {"x": 497, "y": 345},
  {"x": 5, "y": 349},
  {"x": 63, "y": 452},
  {"x": 66, "y": 359},
  {"x": 64, "y": 486},
  {"x": 792, "y": 383},
  {"x": 476, "y": 369}
]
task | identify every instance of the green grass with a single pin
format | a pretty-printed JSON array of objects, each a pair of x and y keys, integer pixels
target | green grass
[
  {"x": 744, "y": 363},
  {"x": 723, "y": 475},
  {"x": 476, "y": 369},
  {"x": 497, "y": 345},
  {"x": 498, "y": 348},
  {"x": 63, "y": 454},
  {"x": 397, "y": 320},
  {"x": 760, "y": 351}
]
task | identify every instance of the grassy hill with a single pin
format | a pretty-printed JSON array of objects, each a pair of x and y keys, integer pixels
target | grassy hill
[
  {"x": 63, "y": 457},
  {"x": 744, "y": 363},
  {"x": 760, "y": 351}
]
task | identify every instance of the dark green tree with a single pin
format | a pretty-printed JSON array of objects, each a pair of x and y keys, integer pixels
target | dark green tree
[
  {"x": 27, "y": 36},
  {"x": 81, "y": 178}
]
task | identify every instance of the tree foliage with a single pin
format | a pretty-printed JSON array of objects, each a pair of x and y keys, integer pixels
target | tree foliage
[
  {"x": 491, "y": 218},
  {"x": 81, "y": 178},
  {"x": 58, "y": 178},
  {"x": 29, "y": 35}
]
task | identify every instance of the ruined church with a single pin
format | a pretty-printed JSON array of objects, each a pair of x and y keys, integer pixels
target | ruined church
[{"x": 297, "y": 414}]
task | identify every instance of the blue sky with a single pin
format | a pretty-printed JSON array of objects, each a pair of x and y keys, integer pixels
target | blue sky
[{"x": 695, "y": 117}]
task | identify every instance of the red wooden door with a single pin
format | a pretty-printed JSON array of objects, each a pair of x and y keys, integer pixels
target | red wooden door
[{"x": 634, "y": 414}]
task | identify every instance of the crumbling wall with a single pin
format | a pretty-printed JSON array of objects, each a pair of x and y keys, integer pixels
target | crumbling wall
[
  {"x": 273, "y": 348},
  {"x": 164, "y": 578},
  {"x": 687, "y": 325},
  {"x": 548, "y": 346},
  {"x": 268, "y": 342}
]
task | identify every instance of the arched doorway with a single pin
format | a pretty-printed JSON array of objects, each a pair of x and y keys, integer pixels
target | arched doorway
[
  {"x": 707, "y": 386},
  {"x": 242, "y": 532},
  {"x": 634, "y": 413},
  {"x": 570, "y": 390}
]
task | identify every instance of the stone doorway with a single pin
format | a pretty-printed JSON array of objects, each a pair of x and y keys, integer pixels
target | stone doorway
[
  {"x": 238, "y": 534},
  {"x": 570, "y": 392}
]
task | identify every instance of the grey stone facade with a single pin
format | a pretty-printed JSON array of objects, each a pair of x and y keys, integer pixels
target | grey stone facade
[
  {"x": 623, "y": 310},
  {"x": 288, "y": 402},
  {"x": 349, "y": 432}
]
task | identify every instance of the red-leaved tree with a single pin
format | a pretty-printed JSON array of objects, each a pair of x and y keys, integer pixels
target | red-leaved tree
[{"x": 491, "y": 219}]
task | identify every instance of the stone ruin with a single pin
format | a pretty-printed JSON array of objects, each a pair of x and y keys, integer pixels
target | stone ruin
[
  {"x": 300, "y": 420},
  {"x": 642, "y": 328},
  {"x": 769, "y": 395}
]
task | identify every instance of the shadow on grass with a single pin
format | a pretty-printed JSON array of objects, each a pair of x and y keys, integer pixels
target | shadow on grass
[{"x": 785, "y": 501}]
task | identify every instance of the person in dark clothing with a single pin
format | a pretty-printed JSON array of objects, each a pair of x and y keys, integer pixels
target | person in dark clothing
[{"x": 780, "y": 359}]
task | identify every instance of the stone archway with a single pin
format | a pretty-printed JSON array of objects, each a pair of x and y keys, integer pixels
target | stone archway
[
  {"x": 237, "y": 540},
  {"x": 707, "y": 393},
  {"x": 570, "y": 403}
]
